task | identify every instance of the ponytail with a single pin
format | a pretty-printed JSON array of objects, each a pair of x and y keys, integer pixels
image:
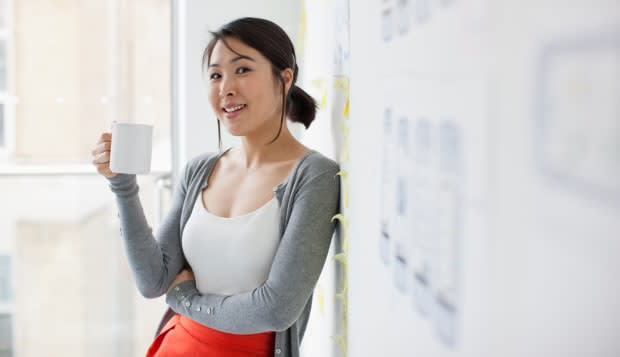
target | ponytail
[{"x": 300, "y": 106}]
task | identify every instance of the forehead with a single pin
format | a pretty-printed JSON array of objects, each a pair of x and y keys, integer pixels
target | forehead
[{"x": 222, "y": 54}]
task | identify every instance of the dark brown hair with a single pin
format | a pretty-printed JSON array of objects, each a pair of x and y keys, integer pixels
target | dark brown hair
[{"x": 272, "y": 42}]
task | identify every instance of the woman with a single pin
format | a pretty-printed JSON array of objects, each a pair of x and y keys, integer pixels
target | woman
[{"x": 253, "y": 223}]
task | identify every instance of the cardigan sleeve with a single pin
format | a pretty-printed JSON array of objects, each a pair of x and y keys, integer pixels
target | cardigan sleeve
[
  {"x": 154, "y": 259},
  {"x": 297, "y": 264}
]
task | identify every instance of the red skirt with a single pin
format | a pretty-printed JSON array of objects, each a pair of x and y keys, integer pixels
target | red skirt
[{"x": 184, "y": 337}]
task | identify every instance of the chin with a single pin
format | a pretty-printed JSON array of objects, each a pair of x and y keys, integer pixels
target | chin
[{"x": 235, "y": 131}]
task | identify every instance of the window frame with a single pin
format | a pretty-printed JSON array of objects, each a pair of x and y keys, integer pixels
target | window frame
[{"x": 7, "y": 149}]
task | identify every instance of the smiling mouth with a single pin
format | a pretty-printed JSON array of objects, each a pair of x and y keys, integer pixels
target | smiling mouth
[{"x": 234, "y": 109}]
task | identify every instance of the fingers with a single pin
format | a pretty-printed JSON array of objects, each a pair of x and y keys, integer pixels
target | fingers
[
  {"x": 101, "y": 158},
  {"x": 105, "y": 136},
  {"x": 101, "y": 155},
  {"x": 102, "y": 147},
  {"x": 103, "y": 144},
  {"x": 101, "y": 152},
  {"x": 102, "y": 163}
]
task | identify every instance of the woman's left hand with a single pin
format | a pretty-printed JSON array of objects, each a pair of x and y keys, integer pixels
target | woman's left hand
[{"x": 184, "y": 275}]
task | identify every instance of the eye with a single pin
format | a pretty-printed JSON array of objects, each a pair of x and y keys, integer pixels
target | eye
[
  {"x": 242, "y": 70},
  {"x": 214, "y": 76}
]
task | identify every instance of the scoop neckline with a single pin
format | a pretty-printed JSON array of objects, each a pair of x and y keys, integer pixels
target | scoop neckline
[
  {"x": 275, "y": 188},
  {"x": 204, "y": 209}
]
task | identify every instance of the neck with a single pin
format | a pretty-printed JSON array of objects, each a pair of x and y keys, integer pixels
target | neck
[{"x": 255, "y": 151}]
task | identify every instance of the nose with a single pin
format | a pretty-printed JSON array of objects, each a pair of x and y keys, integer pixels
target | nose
[{"x": 227, "y": 87}]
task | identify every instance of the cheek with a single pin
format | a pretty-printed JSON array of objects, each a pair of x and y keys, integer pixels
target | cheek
[
  {"x": 269, "y": 90},
  {"x": 213, "y": 99},
  {"x": 272, "y": 95},
  {"x": 276, "y": 93}
]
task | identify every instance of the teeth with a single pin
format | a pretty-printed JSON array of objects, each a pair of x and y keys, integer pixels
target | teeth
[{"x": 234, "y": 109}]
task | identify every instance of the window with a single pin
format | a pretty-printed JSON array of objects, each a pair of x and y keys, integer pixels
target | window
[
  {"x": 5, "y": 279},
  {"x": 6, "y": 335},
  {"x": 2, "y": 14},
  {"x": 6, "y": 297},
  {"x": 75, "y": 67}
]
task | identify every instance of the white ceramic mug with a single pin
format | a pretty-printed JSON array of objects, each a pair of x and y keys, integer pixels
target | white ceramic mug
[{"x": 131, "y": 150}]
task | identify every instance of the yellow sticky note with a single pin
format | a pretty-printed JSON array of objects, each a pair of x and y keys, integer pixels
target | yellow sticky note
[
  {"x": 344, "y": 155},
  {"x": 301, "y": 34},
  {"x": 345, "y": 130},
  {"x": 341, "y": 258},
  {"x": 342, "y": 83},
  {"x": 340, "y": 339},
  {"x": 319, "y": 84}
]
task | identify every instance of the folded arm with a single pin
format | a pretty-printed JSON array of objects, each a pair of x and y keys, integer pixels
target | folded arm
[{"x": 155, "y": 260}]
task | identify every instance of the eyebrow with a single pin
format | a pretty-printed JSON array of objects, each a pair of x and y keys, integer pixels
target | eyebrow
[{"x": 240, "y": 57}]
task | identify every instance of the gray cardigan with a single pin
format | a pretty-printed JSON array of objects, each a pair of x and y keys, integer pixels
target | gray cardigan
[{"x": 308, "y": 199}]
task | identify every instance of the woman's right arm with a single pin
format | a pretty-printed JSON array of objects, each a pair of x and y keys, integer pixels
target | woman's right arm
[{"x": 155, "y": 260}]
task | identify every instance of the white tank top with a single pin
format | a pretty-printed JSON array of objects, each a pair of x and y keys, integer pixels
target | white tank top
[{"x": 231, "y": 255}]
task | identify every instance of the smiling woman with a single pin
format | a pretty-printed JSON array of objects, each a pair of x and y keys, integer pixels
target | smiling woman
[
  {"x": 259, "y": 52},
  {"x": 243, "y": 245},
  {"x": 242, "y": 85}
]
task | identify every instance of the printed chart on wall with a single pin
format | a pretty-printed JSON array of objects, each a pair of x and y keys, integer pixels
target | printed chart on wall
[
  {"x": 573, "y": 83},
  {"x": 431, "y": 164}
]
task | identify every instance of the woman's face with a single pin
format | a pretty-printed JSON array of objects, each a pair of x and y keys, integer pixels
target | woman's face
[{"x": 243, "y": 92}]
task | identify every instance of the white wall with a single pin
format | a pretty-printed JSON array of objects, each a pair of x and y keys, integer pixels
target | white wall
[{"x": 538, "y": 247}]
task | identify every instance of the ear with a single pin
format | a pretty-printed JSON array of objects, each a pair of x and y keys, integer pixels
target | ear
[{"x": 287, "y": 76}]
